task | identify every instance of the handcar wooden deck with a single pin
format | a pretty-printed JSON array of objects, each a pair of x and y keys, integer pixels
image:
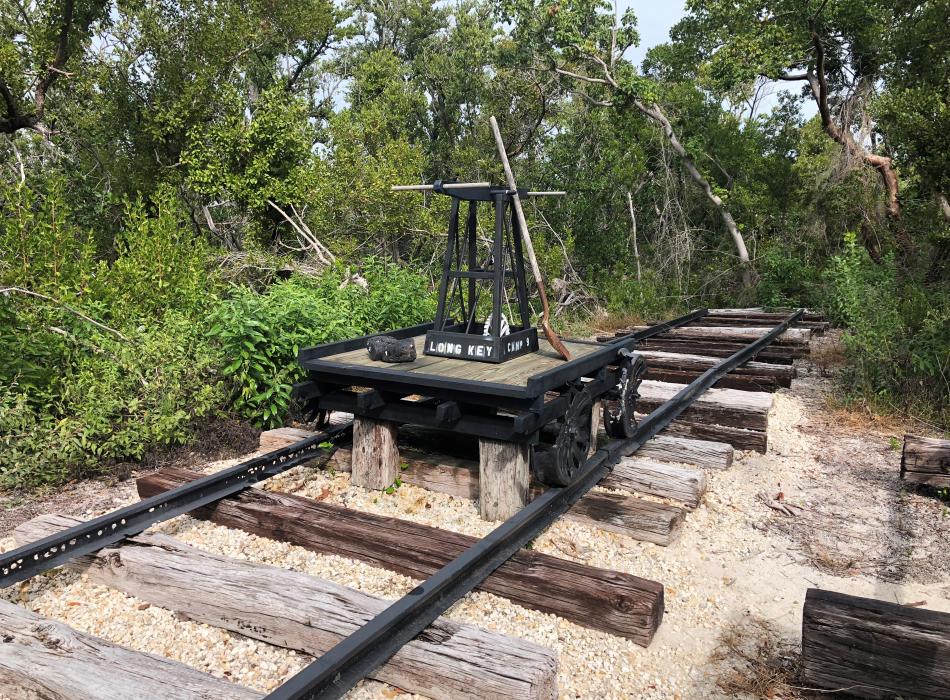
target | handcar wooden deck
[{"x": 537, "y": 400}]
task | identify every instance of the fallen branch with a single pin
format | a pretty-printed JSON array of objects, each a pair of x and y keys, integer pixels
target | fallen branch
[{"x": 27, "y": 292}]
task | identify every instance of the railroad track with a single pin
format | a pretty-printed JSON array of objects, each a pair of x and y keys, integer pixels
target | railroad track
[{"x": 457, "y": 564}]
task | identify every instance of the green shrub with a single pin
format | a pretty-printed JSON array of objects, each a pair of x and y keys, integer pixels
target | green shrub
[
  {"x": 787, "y": 277},
  {"x": 114, "y": 399},
  {"x": 897, "y": 334},
  {"x": 261, "y": 334},
  {"x": 652, "y": 298},
  {"x": 161, "y": 263}
]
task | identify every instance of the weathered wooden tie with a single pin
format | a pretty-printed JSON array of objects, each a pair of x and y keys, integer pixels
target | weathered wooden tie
[
  {"x": 739, "y": 438},
  {"x": 450, "y": 660},
  {"x": 657, "y": 479},
  {"x": 729, "y": 407},
  {"x": 926, "y": 461},
  {"x": 793, "y": 336},
  {"x": 622, "y": 513},
  {"x": 742, "y": 382},
  {"x": 773, "y": 354},
  {"x": 706, "y": 454},
  {"x": 665, "y": 448},
  {"x": 614, "y": 602},
  {"x": 874, "y": 649},
  {"x": 41, "y": 658},
  {"x": 685, "y": 362}
]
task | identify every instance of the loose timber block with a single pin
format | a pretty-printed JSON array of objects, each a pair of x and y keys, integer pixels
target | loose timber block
[
  {"x": 926, "y": 461},
  {"x": 874, "y": 648},
  {"x": 449, "y": 660},
  {"x": 375, "y": 453},
  {"x": 43, "y": 659},
  {"x": 504, "y": 476}
]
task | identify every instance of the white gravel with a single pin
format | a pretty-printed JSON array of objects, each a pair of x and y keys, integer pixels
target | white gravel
[{"x": 723, "y": 567}]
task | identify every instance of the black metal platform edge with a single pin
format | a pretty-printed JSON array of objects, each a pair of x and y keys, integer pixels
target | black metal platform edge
[
  {"x": 312, "y": 360},
  {"x": 352, "y": 659},
  {"x": 334, "y": 371},
  {"x": 57, "y": 549},
  {"x": 315, "y": 352}
]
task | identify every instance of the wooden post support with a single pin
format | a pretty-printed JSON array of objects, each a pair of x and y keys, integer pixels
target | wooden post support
[
  {"x": 503, "y": 478},
  {"x": 596, "y": 415},
  {"x": 375, "y": 453}
]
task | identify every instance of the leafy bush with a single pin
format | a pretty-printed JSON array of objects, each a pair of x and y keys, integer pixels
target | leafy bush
[
  {"x": 161, "y": 263},
  {"x": 787, "y": 277},
  {"x": 113, "y": 399},
  {"x": 897, "y": 337},
  {"x": 261, "y": 334},
  {"x": 99, "y": 360},
  {"x": 653, "y": 298}
]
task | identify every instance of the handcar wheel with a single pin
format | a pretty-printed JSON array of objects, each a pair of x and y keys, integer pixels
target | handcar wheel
[
  {"x": 572, "y": 444},
  {"x": 620, "y": 403},
  {"x": 320, "y": 417}
]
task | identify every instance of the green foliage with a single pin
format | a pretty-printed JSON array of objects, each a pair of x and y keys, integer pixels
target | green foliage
[
  {"x": 139, "y": 247},
  {"x": 99, "y": 361},
  {"x": 161, "y": 263},
  {"x": 113, "y": 400},
  {"x": 261, "y": 334},
  {"x": 897, "y": 337},
  {"x": 267, "y": 157},
  {"x": 788, "y": 278}
]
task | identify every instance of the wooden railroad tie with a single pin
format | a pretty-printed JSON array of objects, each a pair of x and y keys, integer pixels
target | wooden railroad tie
[
  {"x": 926, "y": 461},
  {"x": 622, "y": 513},
  {"x": 619, "y": 603},
  {"x": 874, "y": 649},
  {"x": 451, "y": 660},
  {"x": 42, "y": 658}
]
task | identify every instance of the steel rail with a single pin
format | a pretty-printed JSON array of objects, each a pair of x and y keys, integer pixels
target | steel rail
[
  {"x": 352, "y": 659},
  {"x": 660, "y": 328},
  {"x": 58, "y": 548}
]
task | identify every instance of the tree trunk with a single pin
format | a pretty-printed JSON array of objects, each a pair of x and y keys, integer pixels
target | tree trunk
[
  {"x": 818, "y": 83},
  {"x": 633, "y": 238},
  {"x": 944, "y": 206},
  {"x": 655, "y": 113}
]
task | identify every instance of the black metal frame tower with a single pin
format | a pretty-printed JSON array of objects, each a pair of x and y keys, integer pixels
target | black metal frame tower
[{"x": 462, "y": 274}]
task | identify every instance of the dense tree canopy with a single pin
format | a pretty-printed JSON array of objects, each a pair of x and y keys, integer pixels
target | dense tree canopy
[{"x": 209, "y": 182}]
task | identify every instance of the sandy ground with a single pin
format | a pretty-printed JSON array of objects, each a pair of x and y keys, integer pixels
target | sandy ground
[{"x": 735, "y": 579}]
